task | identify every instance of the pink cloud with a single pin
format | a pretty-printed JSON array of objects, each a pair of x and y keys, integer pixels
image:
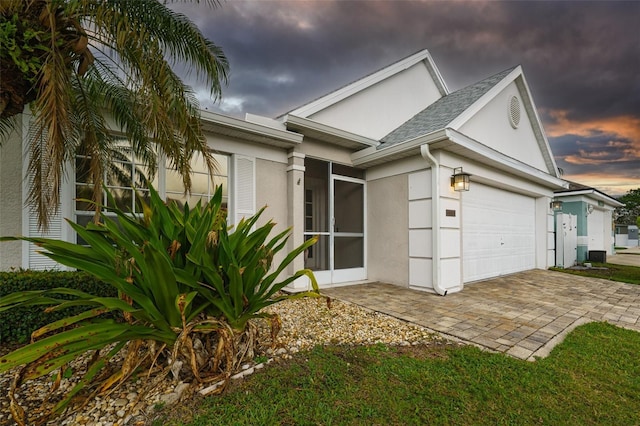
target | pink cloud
[
  {"x": 621, "y": 127},
  {"x": 613, "y": 185}
]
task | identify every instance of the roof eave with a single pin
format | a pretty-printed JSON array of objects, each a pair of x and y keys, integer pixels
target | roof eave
[
  {"x": 461, "y": 145},
  {"x": 594, "y": 193},
  {"x": 482, "y": 153},
  {"x": 370, "y": 157},
  {"x": 329, "y": 134},
  {"x": 225, "y": 125}
]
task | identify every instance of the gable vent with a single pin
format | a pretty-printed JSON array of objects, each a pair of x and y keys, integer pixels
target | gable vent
[{"x": 514, "y": 112}]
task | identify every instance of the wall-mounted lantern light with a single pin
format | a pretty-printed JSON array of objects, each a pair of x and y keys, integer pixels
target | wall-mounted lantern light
[
  {"x": 556, "y": 205},
  {"x": 589, "y": 208},
  {"x": 460, "y": 180}
]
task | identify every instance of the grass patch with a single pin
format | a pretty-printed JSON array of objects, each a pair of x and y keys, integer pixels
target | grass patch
[
  {"x": 591, "y": 378},
  {"x": 622, "y": 273}
]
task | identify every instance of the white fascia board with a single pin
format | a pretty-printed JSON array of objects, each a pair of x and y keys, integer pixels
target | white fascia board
[
  {"x": 490, "y": 155},
  {"x": 305, "y": 123},
  {"x": 592, "y": 193},
  {"x": 253, "y": 128},
  {"x": 264, "y": 121},
  {"x": 538, "y": 129},
  {"x": 507, "y": 162},
  {"x": 371, "y": 154},
  {"x": 435, "y": 71},
  {"x": 530, "y": 107},
  {"x": 359, "y": 85}
]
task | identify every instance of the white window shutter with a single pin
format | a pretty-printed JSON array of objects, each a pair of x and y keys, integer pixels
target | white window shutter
[
  {"x": 244, "y": 184},
  {"x": 35, "y": 260},
  {"x": 38, "y": 261}
]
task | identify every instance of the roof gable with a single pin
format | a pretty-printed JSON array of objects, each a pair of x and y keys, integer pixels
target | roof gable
[
  {"x": 532, "y": 125},
  {"x": 326, "y": 101},
  {"x": 376, "y": 104},
  {"x": 442, "y": 112},
  {"x": 466, "y": 111}
]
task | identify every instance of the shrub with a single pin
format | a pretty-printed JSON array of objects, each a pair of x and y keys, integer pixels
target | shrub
[
  {"x": 17, "y": 325},
  {"x": 187, "y": 287}
]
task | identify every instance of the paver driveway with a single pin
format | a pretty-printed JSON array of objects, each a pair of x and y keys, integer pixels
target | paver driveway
[{"x": 523, "y": 314}]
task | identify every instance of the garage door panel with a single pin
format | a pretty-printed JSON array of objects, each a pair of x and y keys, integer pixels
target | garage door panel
[{"x": 498, "y": 233}]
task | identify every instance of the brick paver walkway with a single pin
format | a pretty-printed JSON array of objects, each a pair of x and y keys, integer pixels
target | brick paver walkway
[{"x": 524, "y": 315}]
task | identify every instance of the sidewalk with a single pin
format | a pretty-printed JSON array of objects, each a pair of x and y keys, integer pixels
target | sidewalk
[{"x": 628, "y": 257}]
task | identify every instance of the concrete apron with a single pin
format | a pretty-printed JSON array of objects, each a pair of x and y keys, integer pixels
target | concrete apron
[{"x": 523, "y": 315}]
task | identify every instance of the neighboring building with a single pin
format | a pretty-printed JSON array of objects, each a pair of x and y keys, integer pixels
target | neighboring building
[
  {"x": 593, "y": 213},
  {"x": 632, "y": 235},
  {"x": 368, "y": 168},
  {"x": 626, "y": 235},
  {"x": 621, "y": 235}
]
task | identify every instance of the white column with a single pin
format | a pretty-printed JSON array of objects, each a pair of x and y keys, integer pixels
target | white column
[{"x": 295, "y": 216}]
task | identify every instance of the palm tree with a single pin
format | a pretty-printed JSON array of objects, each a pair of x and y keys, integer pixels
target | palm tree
[{"x": 75, "y": 62}]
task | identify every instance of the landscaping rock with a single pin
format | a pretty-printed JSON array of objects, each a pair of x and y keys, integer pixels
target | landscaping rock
[{"x": 305, "y": 324}]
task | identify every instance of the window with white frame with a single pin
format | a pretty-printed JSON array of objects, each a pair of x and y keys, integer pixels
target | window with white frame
[
  {"x": 126, "y": 176},
  {"x": 203, "y": 185}
]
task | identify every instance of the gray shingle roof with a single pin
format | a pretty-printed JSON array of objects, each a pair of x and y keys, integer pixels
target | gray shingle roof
[{"x": 442, "y": 112}]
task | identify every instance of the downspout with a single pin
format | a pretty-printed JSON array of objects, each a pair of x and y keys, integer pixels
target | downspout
[{"x": 435, "y": 218}]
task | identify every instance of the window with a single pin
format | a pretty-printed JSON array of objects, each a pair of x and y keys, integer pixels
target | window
[
  {"x": 127, "y": 175},
  {"x": 123, "y": 178},
  {"x": 203, "y": 186}
]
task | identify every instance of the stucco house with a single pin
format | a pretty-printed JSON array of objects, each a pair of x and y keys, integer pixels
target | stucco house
[
  {"x": 369, "y": 168},
  {"x": 584, "y": 224},
  {"x": 626, "y": 235}
]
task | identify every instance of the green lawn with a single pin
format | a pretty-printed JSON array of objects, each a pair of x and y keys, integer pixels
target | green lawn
[
  {"x": 593, "y": 377},
  {"x": 625, "y": 274}
]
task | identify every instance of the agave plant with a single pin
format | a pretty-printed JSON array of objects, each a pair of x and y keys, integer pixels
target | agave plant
[{"x": 188, "y": 289}]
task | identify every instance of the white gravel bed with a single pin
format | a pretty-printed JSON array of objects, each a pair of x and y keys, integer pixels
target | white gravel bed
[
  {"x": 309, "y": 322},
  {"x": 305, "y": 324}
]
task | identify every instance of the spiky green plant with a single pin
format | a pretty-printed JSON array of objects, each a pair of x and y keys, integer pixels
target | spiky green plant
[{"x": 187, "y": 283}]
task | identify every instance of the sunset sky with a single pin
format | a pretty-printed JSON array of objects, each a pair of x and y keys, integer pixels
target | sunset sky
[{"x": 581, "y": 59}]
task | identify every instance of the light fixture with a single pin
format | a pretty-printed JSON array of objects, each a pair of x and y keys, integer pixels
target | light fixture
[
  {"x": 589, "y": 208},
  {"x": 556, "y": 205},
  {"x": 460, "y": 180}
]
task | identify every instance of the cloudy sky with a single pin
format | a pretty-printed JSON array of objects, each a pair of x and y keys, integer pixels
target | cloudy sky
[{"x": 581, "y": 59}]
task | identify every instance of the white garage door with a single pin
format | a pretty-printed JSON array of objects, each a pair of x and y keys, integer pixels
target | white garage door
[{"x": 498, "y": 233}]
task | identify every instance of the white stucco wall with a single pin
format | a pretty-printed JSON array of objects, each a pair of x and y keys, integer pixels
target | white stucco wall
[
  {"x": 491, "y": 126},
  {"x": 450, "y": 231},
  {"x": 229, "y": 145},
  {"x": 387, "y": 224},
  {"x": 377, "y": 110},
  {"x": 419, "y": 229},
  {"x": 11, "y": 196},
  {"x": 271, "y": 191},
  {"x": 325, "y": 151}
]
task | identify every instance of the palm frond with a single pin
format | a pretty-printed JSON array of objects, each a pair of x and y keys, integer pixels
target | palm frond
[
  {"x": 54, "y": 128},
  {"x": 7, "y": 127},
  {"x": 129, "y": 80},
  {"x": 176, "y": 36}
]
